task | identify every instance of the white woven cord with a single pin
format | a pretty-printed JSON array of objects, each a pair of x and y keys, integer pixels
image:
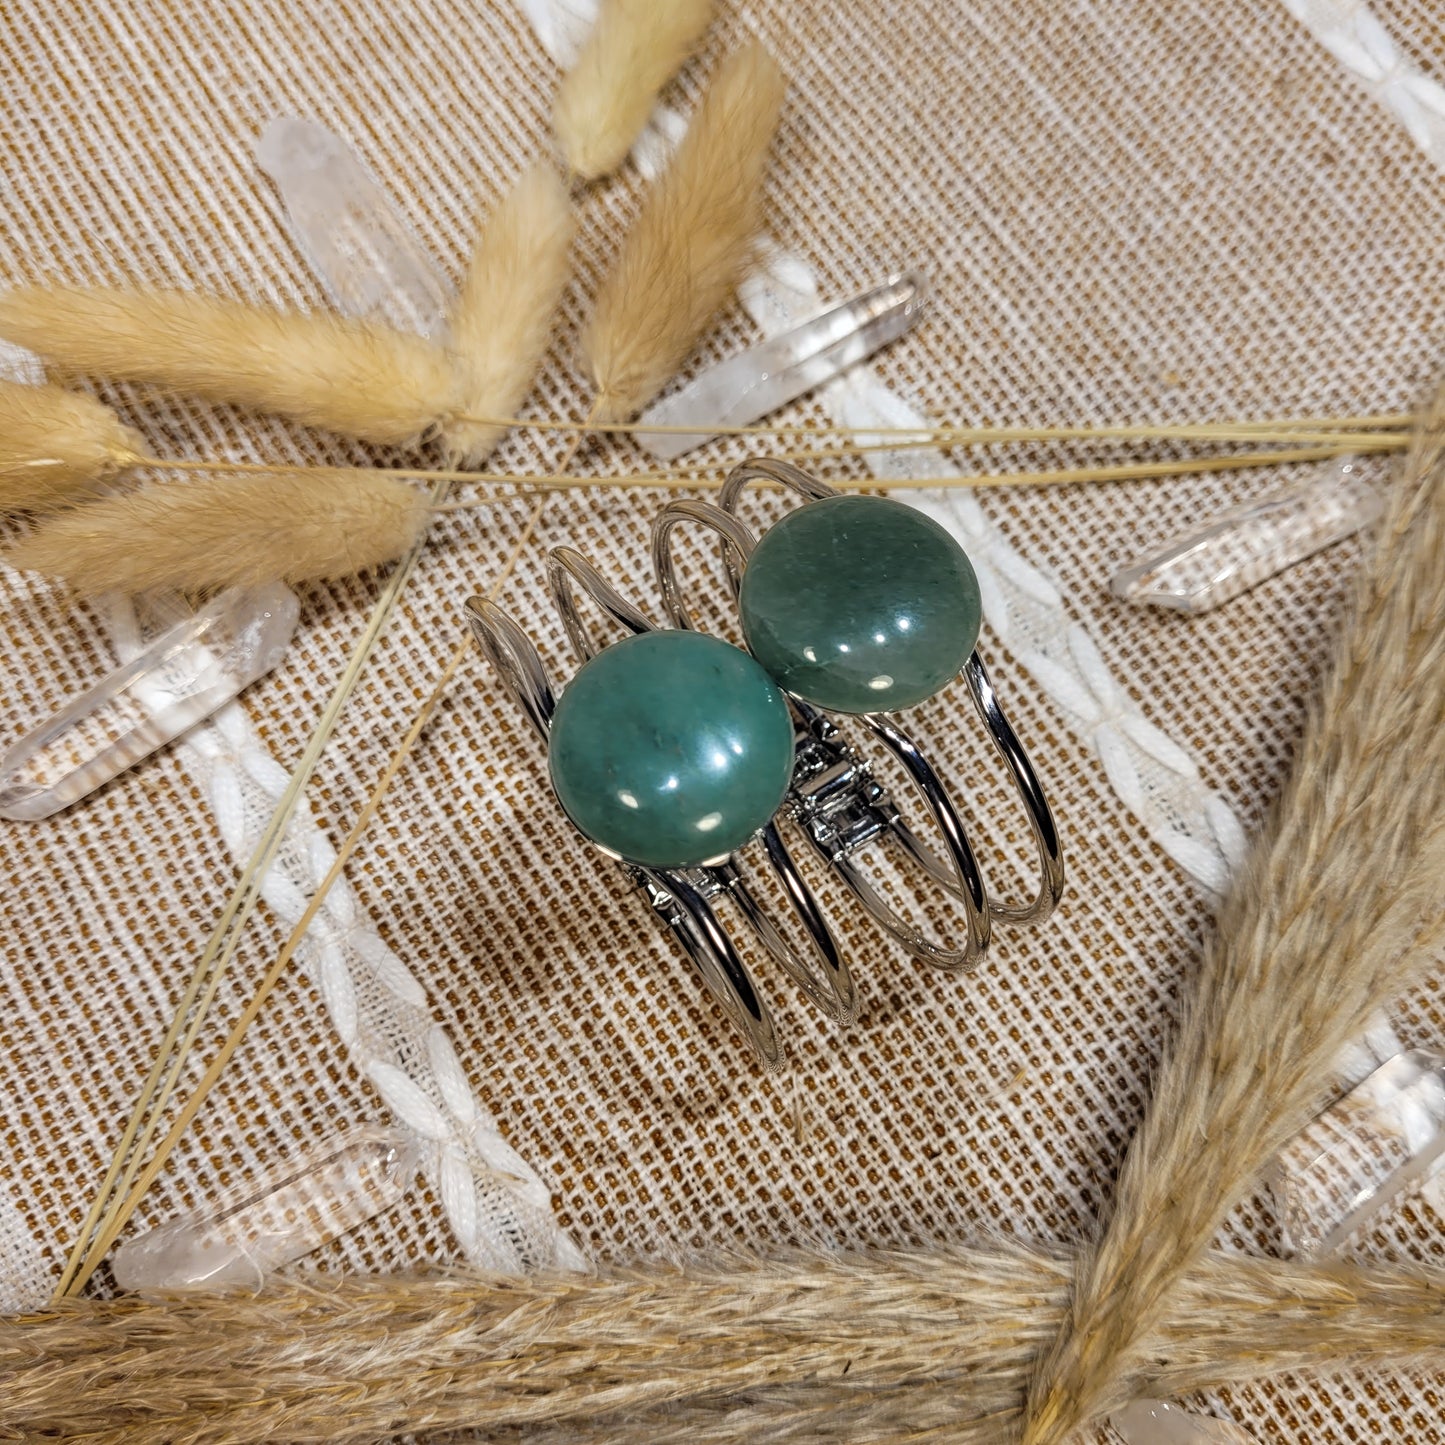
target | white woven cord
[
  {"x": 498, "y": 1207},
  {"x": 1353, "y": 35}
]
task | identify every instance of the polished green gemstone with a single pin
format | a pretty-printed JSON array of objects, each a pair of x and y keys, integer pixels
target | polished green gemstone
[
  {"x": 860, "y": 604},
  {"x": 671, "y": 749}
]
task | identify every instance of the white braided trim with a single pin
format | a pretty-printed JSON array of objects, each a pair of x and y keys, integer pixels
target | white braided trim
[
  {"x": 1153, "y": 776},
  {"x": 1352, "y": 34},
  {"x": 498, "y": 1207}
]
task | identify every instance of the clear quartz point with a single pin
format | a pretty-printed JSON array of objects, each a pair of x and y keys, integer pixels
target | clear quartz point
[
  {"x": 1159, "y": 1422},
  {"x": 1345, "y": 1166},
  {"x": 1207, "y": 566},
  {"x": 305, "y": 1202},
  {"x": 178, "y": 680},
  {"x": 740, "y": 390},
  {"x": 356, "y": 240}
]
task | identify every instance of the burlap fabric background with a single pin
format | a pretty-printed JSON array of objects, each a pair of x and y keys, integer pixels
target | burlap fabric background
[{"x": 1131, "y": 212}]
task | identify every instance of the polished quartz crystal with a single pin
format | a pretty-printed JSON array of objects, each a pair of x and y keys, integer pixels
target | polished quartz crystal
[
  {"x": 1160, "y": 1422},
  {"x": 238, "y": 1238},
  {"x": 178, "y": 680},
  {"x": 860, "y": 604},
  {"x": 747, "y": 387},
  {"x": 671, "y": 749},
  {"x": 357, "y": 242},
  {"x": 1382, "y": 1136},
  {"x": 1208, "y": 565}
]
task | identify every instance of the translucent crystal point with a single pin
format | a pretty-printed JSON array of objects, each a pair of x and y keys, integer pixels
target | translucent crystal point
[
  {"x": 1371, "y": 1143},
  {"x": 358, "y": 243},
  {"x": 304, "y": 1203},
  {"x": 740, "y": 390},
  {"x": 1158, "y": 1422},
  {"x": 178, "y": 680},
  {"x": 1206, "y": 566}
]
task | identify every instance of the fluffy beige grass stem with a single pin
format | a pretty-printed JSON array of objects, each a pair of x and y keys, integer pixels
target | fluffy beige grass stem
[
  {"x": 635, "y": 47},
  {"x": 56, "y": 445},
  {"x": 226, "y": 532},
  {"x": 1336, "y": 913},
  {"x": 803, "y": 1347},
  {"x": 502, "y": 321},
  {"x": 347, "y": 376},
  {"x": 688, "y": 247}
]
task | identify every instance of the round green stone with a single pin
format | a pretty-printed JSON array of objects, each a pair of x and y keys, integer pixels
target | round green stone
[
  {"x": 860, "y": 604},
  {"x": 671, "y": 749}
]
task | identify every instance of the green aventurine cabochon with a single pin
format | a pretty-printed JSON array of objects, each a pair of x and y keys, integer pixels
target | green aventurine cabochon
[
  {"x": 860, "y": 604},
  {"x": 671, "y": 749}
]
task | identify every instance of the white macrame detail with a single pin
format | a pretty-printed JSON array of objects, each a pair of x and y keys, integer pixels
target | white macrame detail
[
  {"x": 1154, "y": 777},
  {"x": 1353, "y": 35},
  {"x": 498, "y": 1207}
]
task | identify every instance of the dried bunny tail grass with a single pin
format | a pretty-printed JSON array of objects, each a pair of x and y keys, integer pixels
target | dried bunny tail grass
[
  {"x": 1337, "y": 912},
  {"x": 502, "y": 321},
  {"x": 684, "y": 255},
  {"x": 806, "y": 1347},
  {"x": 57, "y": 444},
  {"x": 232, "y": 531},
  {"x": 635, "y": 47},
  {"x": 346, "y": 376}
]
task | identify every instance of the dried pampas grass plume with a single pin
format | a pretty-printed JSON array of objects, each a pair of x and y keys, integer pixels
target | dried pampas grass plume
[
  {"x": 806, "y": 1347},
  {"x": 1338, "y": 911},
  {"x": 57, "y": 444},
  {"x": 233, "y": 531},
  {"x": 688, "y": 248},
  {"x": 347, "y": 376},
  {"x": 634, "y": 49},
  {"x": 502, "y": 321}
]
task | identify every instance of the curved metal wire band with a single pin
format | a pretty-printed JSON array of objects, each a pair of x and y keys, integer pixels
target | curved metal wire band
[
  {"x": 985, "y": 700},
  {"x": 1026, "y": 783},
  {"x": 568, "y": 569},
  {"x": 966, "y": 880},
  {"x": 836, "y": 994},
  {"x": 737, "y": 546},
  {"x": 710, "y": 947},
  {"x": 960, "y": 874},
  {"x": 515, "y": 660},
  {"x": 670, "y": 894},
  {"x": 769, "y": 469},
  {"x": 830, "y": 987}
]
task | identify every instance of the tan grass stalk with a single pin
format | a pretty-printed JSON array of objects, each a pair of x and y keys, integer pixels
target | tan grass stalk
[
  {"x": 635, "y": 47},
  {"x": 347, "y": 376},
  {"x": 56, "y": 445},
  {"x": 807, "y": 1346},
  {"x": 296, "y": 526},
  {"x": 502, "y": 322},
  {"x": 689, "y": 246},
  {"x": 1336, "y": 913}
]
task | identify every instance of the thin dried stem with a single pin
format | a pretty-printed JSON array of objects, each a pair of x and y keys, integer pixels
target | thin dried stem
[
  {"x": 699, "y": 478},
  {"x": 1282, "y": 428}
]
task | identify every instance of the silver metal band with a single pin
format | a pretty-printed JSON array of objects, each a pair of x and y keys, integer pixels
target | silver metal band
[
  {"x": 958, "y": 872},
  {"x": 685, "y": 899},
  {"x": 834, "y": 798}
]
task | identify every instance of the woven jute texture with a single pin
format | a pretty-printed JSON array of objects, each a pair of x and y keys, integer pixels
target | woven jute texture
[{"x": 1131, "y": 212}]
